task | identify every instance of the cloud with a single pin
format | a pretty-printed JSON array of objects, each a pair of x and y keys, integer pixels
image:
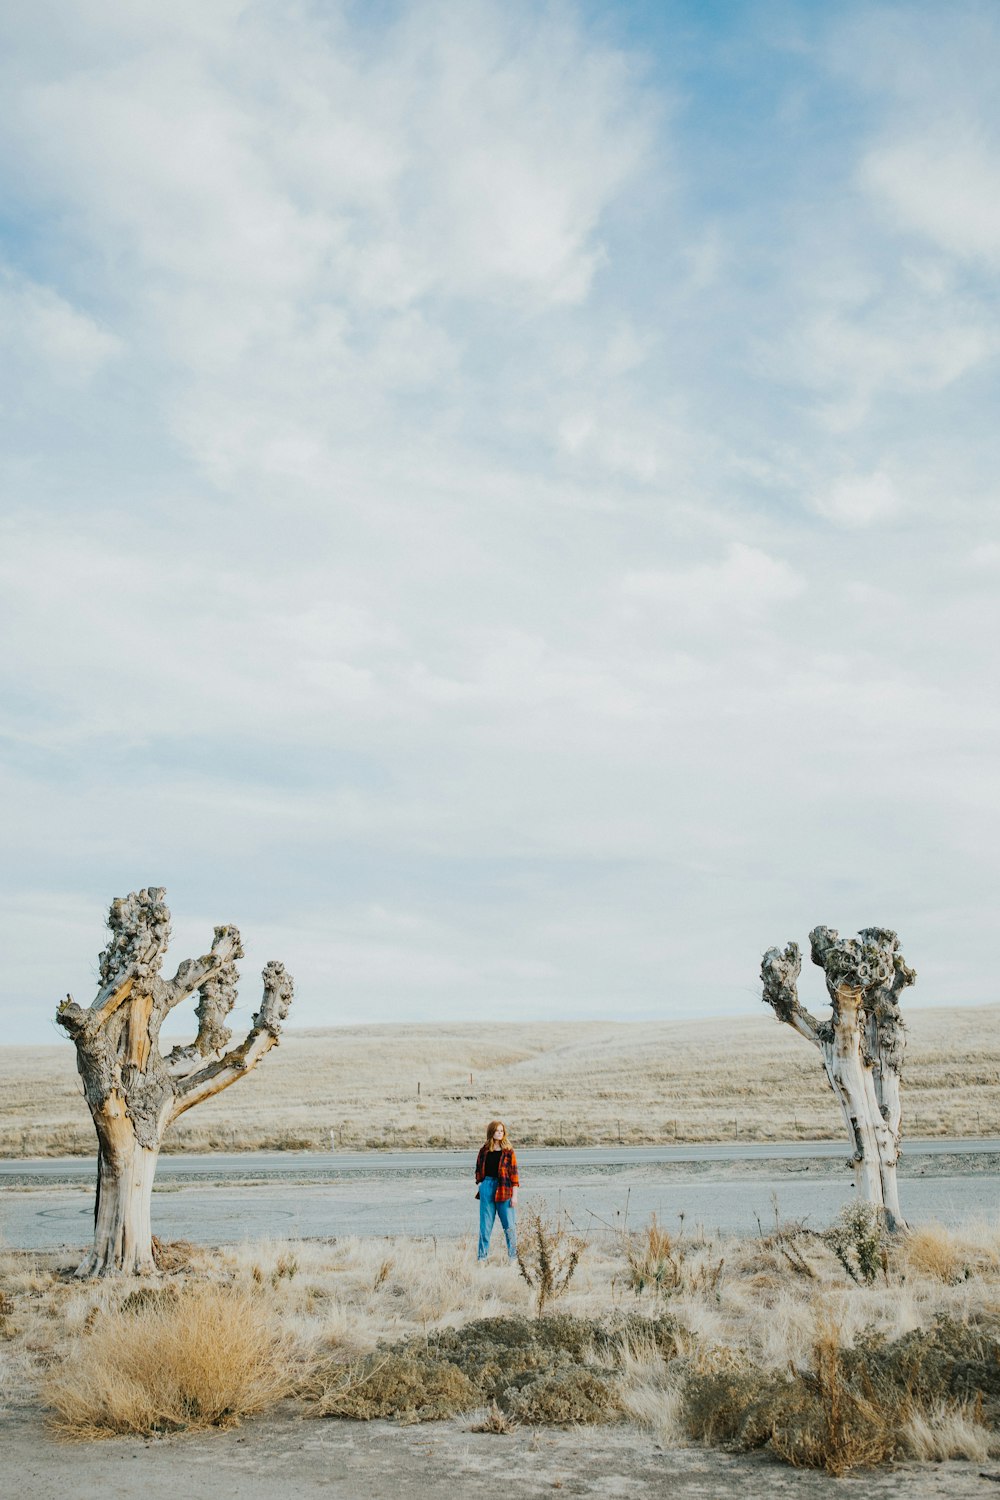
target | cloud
[
  {"x": 943, "y": 187},
  {"x": 932, "y": 168},
  {"x": 886, "y": 346},
  {"x": 44, "y": 333},
  {"x": 743, "y": 586},
  {"x": 500, "y": 505},
  {"x": 301, "y": 251},
  {"x": 986, "y": 556},
  {"x": 860, "y": 500}
]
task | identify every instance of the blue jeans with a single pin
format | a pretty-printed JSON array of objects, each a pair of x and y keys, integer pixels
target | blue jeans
[{"x": 489, "y": 1208}]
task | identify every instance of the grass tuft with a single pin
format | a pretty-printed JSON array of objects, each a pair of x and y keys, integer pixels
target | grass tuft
[
  {"x": 653, "y": 1260},
  {"x": 934, "y": 1251},
  {"x": 206, "y": 1357},
  {"x": 495, "y": 1420},
  {"x": 949, "y": 1429}
]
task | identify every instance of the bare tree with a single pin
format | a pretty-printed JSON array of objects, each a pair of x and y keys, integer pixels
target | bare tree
[
  {"x": 861, "y": 1043},
  {"x": 133, "y": 1090}
]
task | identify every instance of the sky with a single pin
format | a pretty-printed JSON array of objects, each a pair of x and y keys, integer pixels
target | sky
[{"x": 499, "y": 499}]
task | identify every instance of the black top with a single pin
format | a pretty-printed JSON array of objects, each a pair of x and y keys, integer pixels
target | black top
[{"x": 492, "y": 1167}]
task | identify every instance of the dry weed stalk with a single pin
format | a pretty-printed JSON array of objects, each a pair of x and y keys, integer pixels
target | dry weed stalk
[{"x": 547, "y": 1258}]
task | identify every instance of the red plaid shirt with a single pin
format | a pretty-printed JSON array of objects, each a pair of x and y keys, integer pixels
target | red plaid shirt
[{"x": 507, "y": 1178}]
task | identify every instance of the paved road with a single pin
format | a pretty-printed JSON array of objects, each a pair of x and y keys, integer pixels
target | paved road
[
  {"x": 203, "y": 1198},
  {"x": 335, "y": 1164}
]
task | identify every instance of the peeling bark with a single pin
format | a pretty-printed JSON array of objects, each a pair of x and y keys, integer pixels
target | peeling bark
[
  {"x": 133, "y": 1091},
  {"x": 861, "y": 1043}
]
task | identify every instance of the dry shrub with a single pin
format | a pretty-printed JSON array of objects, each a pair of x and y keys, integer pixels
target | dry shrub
[
  {"x": 495, "y": 1420},
  {"x": 950, "y": 1360},
  {"x": 933, "y": 1251},
  {"x": 546, "y": 1257},
  {"x": 764, "y": 1262},
  {"x": 574, "y": 1394},
  {"x": 931, "y": 1393},
  {"x": 549, "y": 1370},
  {"x": 860, "y": 1242},
  {"x": 175, "y": 1255},
  {"x": 205, "y": 1358},
  {"x": 822, "y": 1421},
  {"x": 811, "y": 1419},
  {"x": 401, "y": 1385},
  {"x": 6, "y": 1313},
  {"x": 499, "y": 1353},
  {"x": 718, "y": 1401},
  {"x": 794, "y": 1244}
]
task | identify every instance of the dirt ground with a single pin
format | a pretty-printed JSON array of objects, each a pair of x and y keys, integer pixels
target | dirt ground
[{"x": 338, "y": 1460}]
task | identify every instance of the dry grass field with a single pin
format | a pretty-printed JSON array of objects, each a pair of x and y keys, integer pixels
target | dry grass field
[
  {"x": 830, "y": 1351},
  {"x": 591, "y": 1083}
]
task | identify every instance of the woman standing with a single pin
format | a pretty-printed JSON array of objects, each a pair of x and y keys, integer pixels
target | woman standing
[{"x": 496, "y": 1173}]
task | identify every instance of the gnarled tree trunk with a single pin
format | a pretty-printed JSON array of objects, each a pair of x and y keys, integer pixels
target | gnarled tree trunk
[
  {"x": 861, "y": 1043},
  {"x": 133, "y": 1090}
]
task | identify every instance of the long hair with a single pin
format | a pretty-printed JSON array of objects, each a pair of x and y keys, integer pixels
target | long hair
[{"x": 505, "y": 1144}]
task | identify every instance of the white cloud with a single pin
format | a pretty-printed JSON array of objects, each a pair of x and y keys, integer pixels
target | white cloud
[
  {"x": 467, "y": 549},
  {"x": 944, "y": 186},
  {"x": 743, "y": 586},
  {"x": 985, "y": 557},
  {"x": 859, "y": 500},
  {"x": 297, "y": 254},
  {"x": 44, "y": 331},
  {"x": 868, "y": 354}
]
